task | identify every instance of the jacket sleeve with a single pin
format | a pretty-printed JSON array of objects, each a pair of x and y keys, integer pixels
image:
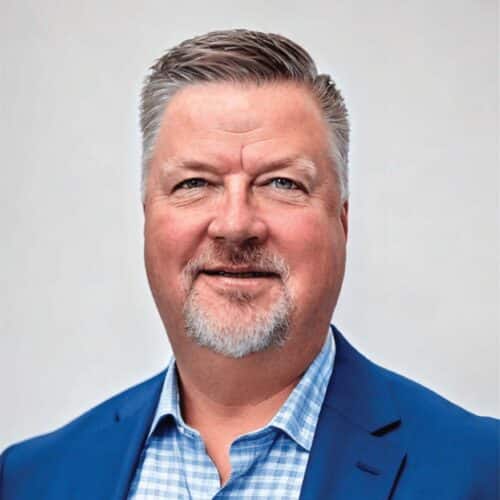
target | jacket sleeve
[{"x": 3, "y": 457}]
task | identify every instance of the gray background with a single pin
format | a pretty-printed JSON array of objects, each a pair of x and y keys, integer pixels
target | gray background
[{"x": 422, "y": 287}]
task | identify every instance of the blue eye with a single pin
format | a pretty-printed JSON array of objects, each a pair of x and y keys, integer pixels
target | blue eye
[
  {"x": 193, "y": 183},
  {"x": 284, "y": 183}
]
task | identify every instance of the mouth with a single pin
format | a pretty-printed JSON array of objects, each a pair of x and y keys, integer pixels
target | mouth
[{"x": 239, "y": 273}]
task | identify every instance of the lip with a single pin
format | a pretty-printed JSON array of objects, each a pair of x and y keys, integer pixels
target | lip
[
  {"x": 239, "y": 272},
  {"x": 248, "y": 283}
]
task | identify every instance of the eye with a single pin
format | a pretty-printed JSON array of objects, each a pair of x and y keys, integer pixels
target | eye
[
  {"x": 283, "y": 183},
  {"x": 193, "y": 183}
]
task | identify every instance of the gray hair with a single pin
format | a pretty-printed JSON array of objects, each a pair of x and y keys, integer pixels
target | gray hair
[{"x": 241, "y": 56}]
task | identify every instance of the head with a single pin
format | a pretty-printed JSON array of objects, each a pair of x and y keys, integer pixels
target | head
[
  {"x": 245, "y": 193},
  {"x": 241, "y": 56}
]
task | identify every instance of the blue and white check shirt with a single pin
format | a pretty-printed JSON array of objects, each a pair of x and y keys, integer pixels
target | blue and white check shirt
[{"x": 267, "y": 463}]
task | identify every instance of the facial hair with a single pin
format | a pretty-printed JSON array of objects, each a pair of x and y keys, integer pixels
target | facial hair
[{"x": 239, "y": 328}]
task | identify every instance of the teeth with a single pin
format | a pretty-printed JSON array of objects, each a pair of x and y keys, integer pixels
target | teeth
[{"x": 240, "y": 275}]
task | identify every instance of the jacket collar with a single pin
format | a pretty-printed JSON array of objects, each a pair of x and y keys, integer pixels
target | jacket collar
[
  {"x": 108, "y": 455},
  {"x": 359, "y": 391},
  {"x": 357, "y": 450}
]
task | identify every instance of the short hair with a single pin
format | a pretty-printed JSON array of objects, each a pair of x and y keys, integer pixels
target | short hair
[{"x": 241, "y": 56}]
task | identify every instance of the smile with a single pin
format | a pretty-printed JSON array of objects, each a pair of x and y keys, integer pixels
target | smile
[{"x": 240, "y": 274}]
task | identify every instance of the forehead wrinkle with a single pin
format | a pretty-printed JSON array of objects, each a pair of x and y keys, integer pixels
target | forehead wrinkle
[
  {"x": 242, "y": 147},
  {"x": 242, "y": 132},
  {"x": 174, "y": 163}
]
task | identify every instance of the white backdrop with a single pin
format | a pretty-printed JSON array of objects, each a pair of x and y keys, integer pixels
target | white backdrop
[{"x": 421, "y": 294}]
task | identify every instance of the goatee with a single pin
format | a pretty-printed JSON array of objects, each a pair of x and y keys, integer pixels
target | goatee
[{"x": 238, "y": 328}]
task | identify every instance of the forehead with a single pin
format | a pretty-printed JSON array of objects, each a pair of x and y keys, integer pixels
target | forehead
[{"x": 245, "y": 123}]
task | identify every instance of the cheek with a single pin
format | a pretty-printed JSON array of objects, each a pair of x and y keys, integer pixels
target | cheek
[
  {"x": 314, "y": 248},
  {"x": 170, "y": 241}
]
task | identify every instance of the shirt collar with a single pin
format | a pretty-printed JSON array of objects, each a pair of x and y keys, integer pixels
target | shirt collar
[
  {"x": 299, "y": 414},
  {"x": 297, "y": 417},
  {"x": 169, "y": 402}
]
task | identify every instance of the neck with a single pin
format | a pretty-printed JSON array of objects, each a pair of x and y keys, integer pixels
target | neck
[
  {"x": 240, "y": 394},
  {"x": 224, "y": 398}
]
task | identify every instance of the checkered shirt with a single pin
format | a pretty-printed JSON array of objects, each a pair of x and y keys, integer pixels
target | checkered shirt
[{"x": 267, "y": 463}]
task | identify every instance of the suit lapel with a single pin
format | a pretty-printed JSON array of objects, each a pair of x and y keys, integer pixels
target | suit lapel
[
  {"x": 357, "y": 450},
  {"x": 104, "y": 462}
]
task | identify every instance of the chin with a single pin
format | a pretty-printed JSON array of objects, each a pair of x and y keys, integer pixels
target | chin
[{"x": 239, "y": 327}]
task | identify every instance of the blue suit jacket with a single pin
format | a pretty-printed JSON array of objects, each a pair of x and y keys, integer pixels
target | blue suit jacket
[{"x": 379, "y": 436}]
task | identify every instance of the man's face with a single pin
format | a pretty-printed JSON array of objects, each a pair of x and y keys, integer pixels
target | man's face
[{"x": 244, "y": 229}]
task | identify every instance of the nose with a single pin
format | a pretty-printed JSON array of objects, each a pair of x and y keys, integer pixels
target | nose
[{"x": 236, "y": 220}]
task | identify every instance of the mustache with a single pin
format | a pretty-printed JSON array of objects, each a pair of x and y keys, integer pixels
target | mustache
[{"x": 221, "y": 254}]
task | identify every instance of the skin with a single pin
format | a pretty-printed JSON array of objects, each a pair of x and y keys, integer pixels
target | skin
[{"x": 235, "y": 139}]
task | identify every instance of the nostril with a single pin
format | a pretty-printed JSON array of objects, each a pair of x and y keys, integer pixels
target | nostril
[{"x": 237, "y": 227}]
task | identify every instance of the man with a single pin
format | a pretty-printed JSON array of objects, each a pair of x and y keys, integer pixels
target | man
[{"x": 245, "y": 201}]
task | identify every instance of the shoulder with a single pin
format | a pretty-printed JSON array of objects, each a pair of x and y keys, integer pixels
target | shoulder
[
  {"x": 441, "y": 436},
  {"x": 418, "y": 407},
  {"x": 443, "y": 443},
  {"x": 419, "y": 404},
  {"x": 27, "y": 455}
]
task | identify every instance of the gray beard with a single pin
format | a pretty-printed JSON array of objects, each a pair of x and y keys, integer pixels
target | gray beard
[{"x": 248, "y": 332}]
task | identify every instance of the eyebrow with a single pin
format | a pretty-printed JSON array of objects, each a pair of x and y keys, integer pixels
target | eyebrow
[
  {"x": 174, "y": 164},
  {"x": 301, "y": 163}
]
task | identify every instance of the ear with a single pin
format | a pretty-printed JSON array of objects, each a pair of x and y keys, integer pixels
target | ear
[{"x": 344, "y": 219}]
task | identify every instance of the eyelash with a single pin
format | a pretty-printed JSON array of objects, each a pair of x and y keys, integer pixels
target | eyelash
[
  {"x": 295, "y": 184},
  {"x": 185, "y": 183},
  {"x": 199, "y": 183}
]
